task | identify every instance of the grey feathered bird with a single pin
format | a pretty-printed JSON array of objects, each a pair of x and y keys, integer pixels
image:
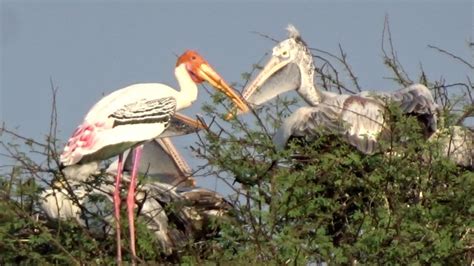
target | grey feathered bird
[{"x": 358, "y": 118}]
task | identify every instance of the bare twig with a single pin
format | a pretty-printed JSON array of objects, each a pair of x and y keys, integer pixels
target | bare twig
[
  {"x": 451, "y": 55},
  {"x": 336, "y": 81},
  {"x": 348, "y": 68},
  {"x": 392, "y": 60},
  {"x": 51, "y": 145},
  {"x": 265, "y": 36},
  {"x": 469, "y": 112}
]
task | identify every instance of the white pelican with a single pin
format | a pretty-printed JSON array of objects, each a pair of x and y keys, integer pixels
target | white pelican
[
  {"x": 130, "y": 116},
  {"x": 358, "y": 118}
]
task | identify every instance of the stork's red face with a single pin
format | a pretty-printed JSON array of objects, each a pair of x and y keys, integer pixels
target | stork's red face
[
  {"x": 200, "y": 70},
  {"x": 193, "y": 61}
]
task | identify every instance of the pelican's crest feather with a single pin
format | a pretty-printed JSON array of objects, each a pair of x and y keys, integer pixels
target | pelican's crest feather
[{"x": 293, "y": 32}]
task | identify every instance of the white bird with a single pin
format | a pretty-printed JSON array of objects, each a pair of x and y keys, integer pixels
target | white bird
[
  {"x": 175, "y": 215},
  {"x": 162, "y": 162},
  {"x": 130, "y": 116},
  {"x": 57, "y": 204},
  {"x": 457, "y": 144},
  {"x": 160, "y": 159},
  {"x": 172, "y": 184},
  {"x": 358, "y": 118}
]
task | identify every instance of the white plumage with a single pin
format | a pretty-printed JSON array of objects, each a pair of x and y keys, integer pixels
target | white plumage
[
  {"x": 130, "y": 116},
  {"x": 358, "y": 118},
  {"x": 98, "y": 132},
  {"x": 171, "y": 193}
]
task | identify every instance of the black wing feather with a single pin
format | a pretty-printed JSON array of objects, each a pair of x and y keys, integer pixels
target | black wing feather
[{"x": 145, "y": 111}]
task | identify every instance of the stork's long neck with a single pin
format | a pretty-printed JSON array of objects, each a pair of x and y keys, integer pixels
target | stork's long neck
[
  {"x": 188, "y": 89},
  {"x": 308, "y": 89}
]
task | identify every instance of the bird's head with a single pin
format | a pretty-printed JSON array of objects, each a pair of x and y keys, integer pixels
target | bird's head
[
  {"x": 283, "y": 71},
  {"x": 200, "y": 70}
]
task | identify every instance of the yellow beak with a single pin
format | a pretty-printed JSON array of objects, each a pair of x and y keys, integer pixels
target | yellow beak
[
  {"x": 273, "y": 65},
  {"x": 211, "y": 76}
]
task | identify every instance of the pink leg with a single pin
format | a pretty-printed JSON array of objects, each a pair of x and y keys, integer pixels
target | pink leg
[
  {"x": 117, "y": 207},
  {"x": 131, "y": 200}
]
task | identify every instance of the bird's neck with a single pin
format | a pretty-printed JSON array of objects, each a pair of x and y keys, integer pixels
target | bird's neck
[
  {"x": 188, "y": 89},
  {"x": 313, "y": 96},
  {"x": 308, "y": 89}
]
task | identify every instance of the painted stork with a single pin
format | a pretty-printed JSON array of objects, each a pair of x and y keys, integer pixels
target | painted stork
[
  {"x": 173, "y": 208},
  {"x": 161, "y": 161},
  {"x": 130, "y": 116},
  {"x": 358, "y": 118}
]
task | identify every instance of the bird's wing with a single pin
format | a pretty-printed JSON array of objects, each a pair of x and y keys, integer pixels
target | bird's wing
[
  {"x": 160, "y": 161},
  {"x": 145, "y": 111},
  {"x": 359, "y": 120},
  {"x": 363, "y": 120},
  {"x": 129, "y": 124},
  {"x": 156, "y": 220},
  {"x": 184, "y": 168},
  {"x": 207, "y": 202},
  {"x": 418, "y": 100},
  {"x": 308, "y": 121},
  {"x": 415, "y": 99}
]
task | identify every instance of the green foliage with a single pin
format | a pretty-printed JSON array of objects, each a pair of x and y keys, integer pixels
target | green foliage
[
  {"x": 323, "y": 201},
  {"x": 319, "y": 200}
]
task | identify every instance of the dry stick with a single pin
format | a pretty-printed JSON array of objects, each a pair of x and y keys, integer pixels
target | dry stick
[
  {"x": 52, "y": 126},
  {"x": 328, "y": 76},
  {"x": 392, "y": 61},
  {"x": 343, "y": 61},
  {"x": 12, "y": 179},
  {"x": 349, "y": 69},
  {"x": 452, "y": 55},
  {"x": 468, "y": 113},
  {"x": 447, "y": 103},
  {"x": 423, "y": 77},
  {"x": 265, "y": 36},
  {"x": 16, "y": 135},
  {"x": 470, "y": 89},
  {"x": 54, "y": 117},
  {"x": 337, "y": 82}
]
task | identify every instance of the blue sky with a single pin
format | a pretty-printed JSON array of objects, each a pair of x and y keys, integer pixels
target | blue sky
[{"x": 92, "y": 48}]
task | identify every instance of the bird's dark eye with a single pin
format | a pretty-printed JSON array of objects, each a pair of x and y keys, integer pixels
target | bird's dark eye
[
  {"x": 285, "y": 53},
  {"x": 193, "y": 57}
]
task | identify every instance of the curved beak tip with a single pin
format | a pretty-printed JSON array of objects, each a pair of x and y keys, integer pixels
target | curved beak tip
[{"x": 211, "y": 76}]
